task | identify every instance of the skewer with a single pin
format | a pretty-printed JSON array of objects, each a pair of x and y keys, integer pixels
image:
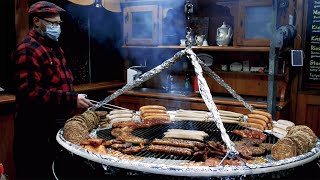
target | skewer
[
  {"x": 105, "y": 105},
  {"x": 116, "y": 106}
]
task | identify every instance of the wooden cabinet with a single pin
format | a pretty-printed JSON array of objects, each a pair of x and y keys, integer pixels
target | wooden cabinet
[
  {"x": 251, "y": 20},
  {"x": 308, "y": 111},
  {"x": 254, "y": 27},
  {"x": 6, "y": 137},
  {"x": 152, "y": 22},
  {"x": 142, "y": 25}
]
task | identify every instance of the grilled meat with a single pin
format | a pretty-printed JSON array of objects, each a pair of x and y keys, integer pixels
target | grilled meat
[
  {"x": 170, "y": 150},
  {"x": 132, "y": 139},
  {"x": 266, "y": 146},
  {"x": 138, "y": 125},
  {"x": 179, "y": 143},
  {"x": 121, "y": 131},
  {"x": 121, "y": 146},
  {"x": 133, "y": 149},
  {"x": 124, "y": 134},
  {"x": 112, "y": 141},
  {"x": 217, "y": 146},
  {"x": 244, "y": 151},
  {"x": 257, "y": 151},
  {"x": 98, "y": 149},
  {"x": 246, "y": 133},
  {"x": 250, "y": 141},
  {"x": 248, "y": 148},
  {"x": 219, "y": 153},
  {"x": 212, "y": 162},
  {"x": 124, "y": 124}
]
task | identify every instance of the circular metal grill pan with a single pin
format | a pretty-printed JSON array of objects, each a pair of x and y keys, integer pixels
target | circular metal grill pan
[{"x": 160, "y": 163}]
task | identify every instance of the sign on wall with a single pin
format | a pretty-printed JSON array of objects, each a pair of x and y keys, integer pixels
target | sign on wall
[{"x": 311, "y": 70}]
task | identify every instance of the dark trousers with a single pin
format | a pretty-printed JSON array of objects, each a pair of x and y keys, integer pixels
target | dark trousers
[{"x": 35, "y": 148}]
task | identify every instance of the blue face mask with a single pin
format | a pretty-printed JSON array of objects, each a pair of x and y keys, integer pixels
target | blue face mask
[{"x": 53, "y": 32}]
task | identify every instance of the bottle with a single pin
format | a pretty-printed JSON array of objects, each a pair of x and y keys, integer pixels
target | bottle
[
  {"x": 195, "y": 85},
  {"x": 187, "y": 83},
  {"x": 169, "y": 83},
  {"x": 2, "y": 175}
]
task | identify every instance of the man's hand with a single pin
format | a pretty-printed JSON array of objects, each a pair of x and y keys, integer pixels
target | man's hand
[{"x": 83, "y": 102}]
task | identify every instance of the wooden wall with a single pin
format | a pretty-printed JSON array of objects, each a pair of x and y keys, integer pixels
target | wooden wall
[
  {"x": 6, "y": 139},
  {"x": 308, "y": 111},
  {"x": 22, "y": 20},
  {"x": 306, "y": 103}
]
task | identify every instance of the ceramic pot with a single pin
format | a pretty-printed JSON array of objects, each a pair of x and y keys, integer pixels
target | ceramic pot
[
  {"x": 199, "y": 39},
  {"x": 224, "y": 35}
]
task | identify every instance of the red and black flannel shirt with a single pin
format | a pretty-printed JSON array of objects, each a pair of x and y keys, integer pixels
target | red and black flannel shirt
[{"x": 41, "y": 74}]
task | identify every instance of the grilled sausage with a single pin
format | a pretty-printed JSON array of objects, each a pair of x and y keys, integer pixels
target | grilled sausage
[
  {"x": 115, "y": 116},
  {"x": 285, "y": 122},
  {"x": 142, "y": 108},
  {"x": 279, "y": 131},
  {"x": 281, "y": 126},
  {"x": 154, "y": 114},
  {"x": 152, "y": 111},
  {"x": 121, "y": 111},
  {"x": 170, "y": 150},
  {"x": 268, "y": 115},
  {"x": 258, "y": 121},
  {"x": 259, "y": 116},
  {"x": 178, "y": 143},
  {"x": 252, "y": 125},
  {"x": 116, "y": 120},
  {"x": 156, "y": 117}
]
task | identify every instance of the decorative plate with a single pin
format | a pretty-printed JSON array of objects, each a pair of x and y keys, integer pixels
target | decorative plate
[
  {"x": 236, "y": 66},
  {"x": 206, "y": 58}
]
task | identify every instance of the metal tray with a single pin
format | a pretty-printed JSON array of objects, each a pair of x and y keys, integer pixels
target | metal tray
[{"x": 177, "y": 167}]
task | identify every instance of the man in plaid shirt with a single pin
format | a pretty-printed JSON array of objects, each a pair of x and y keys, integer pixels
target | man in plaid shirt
[{"x": 45, "y": 95}]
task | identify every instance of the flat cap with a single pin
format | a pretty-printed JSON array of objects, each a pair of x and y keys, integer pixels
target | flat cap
[{"x": 45, "y": 7}]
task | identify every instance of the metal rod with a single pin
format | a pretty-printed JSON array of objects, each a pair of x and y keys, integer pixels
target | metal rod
[
  {"x": 273, "y": 64},
  {"x": 112, "y": 107},
  {"x": 207, "y": 97},
  {"x": 89, "y": 52}
]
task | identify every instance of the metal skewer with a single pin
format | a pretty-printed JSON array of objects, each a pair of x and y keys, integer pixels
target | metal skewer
[{"x": 105, "y": 105}]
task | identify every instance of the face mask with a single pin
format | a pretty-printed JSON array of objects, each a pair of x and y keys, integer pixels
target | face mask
[{"x": 53, "y": 32}]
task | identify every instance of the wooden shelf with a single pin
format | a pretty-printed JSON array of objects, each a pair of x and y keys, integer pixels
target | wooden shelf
[
  {"x": 183, "y": 72},
  {"x": 81, "y": 88},
  {"x": 7, "y": 98},
  {"x": 247, "y": 73},
  {"x": 206, "y": 48},
  {"x": 195, "y": 98}
]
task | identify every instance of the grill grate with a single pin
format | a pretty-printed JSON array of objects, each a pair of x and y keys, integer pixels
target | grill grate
[{"x": 157, "y": 132}]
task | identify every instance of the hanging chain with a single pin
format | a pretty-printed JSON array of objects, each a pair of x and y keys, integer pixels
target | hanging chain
[{"x": 188, "y": 8}]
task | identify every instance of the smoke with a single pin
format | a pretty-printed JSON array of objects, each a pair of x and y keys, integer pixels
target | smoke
[
  {"x": 106, "y": 31},
  {"x": 168, "y": 30},
  {"x": 101, "y": 25}
]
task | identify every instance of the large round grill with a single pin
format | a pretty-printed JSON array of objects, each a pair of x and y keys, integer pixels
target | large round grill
[{"x": 165, "y": 164}]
